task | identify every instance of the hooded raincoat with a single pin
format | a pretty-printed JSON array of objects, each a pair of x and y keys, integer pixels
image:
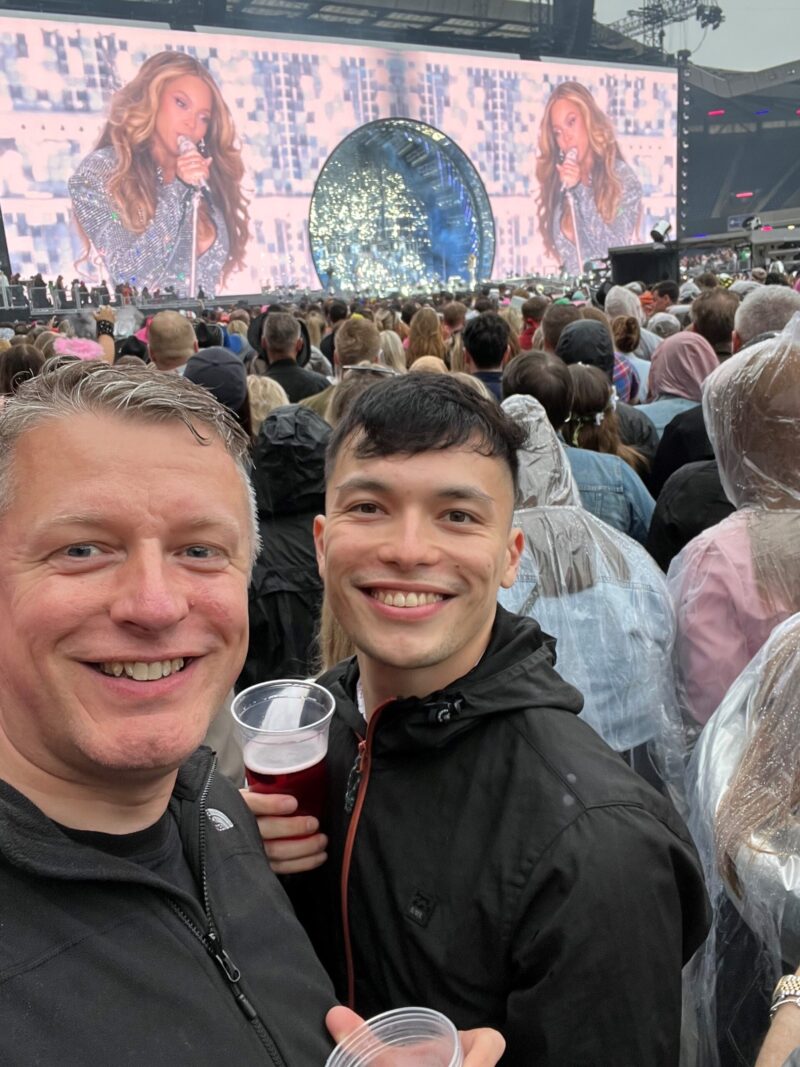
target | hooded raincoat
[
  {"x": 735, "y": 582},
  {"x": 743, "y": 783}
]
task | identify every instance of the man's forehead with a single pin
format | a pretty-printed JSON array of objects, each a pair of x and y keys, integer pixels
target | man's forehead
[{"x": 461, "y": 464}]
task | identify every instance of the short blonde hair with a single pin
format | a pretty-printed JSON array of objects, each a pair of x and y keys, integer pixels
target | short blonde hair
[
  {"x": 429, "y": 365},
  {"x": 265, "y": 395},
  {"x": 171, "y": 340}
]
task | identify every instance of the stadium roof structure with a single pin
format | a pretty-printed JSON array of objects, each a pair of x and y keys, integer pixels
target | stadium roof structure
[{"x": 529, "y": 28}]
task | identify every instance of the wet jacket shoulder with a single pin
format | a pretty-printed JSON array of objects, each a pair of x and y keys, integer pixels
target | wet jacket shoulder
[
  {"x": 97, "y": 965},
  {"x": 498, "y": 861},
  {"x": 636, "y": 430}
]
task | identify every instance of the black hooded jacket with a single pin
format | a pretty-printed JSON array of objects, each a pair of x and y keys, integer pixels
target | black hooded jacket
[
  {"x": 285, "y": 589},
  {"x": 501, "y": 864},
  {"x": 103, "y": 962}
]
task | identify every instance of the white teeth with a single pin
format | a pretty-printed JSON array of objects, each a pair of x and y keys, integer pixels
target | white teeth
[
  {"x": 141, "y": 671},
  {"x": 406, "y": 600}
]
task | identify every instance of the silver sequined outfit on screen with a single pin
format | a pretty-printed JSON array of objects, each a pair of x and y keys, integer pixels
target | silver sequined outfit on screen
[
  {"x": 596, "y": 235},
  {"x": 161, "y": 255}
]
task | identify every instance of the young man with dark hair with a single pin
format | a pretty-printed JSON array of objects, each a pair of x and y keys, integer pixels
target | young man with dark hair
[
  {"x": 486, "y": 340},
  {"x": 664, "y": 295},
  {"x": 485, "y": 852}
]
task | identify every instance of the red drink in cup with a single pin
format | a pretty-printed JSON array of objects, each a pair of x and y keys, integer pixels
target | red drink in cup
[
  {"x": 307, "y": 784},
  {"x": 283, "y": 726}
]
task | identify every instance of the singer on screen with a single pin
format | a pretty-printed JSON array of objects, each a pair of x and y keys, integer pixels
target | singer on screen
[
  {"x": 169, "y": 132},
  {"x": 590, "y": 200}
]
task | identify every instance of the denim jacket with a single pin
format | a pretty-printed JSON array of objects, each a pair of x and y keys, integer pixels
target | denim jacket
[{"x": 612, "y": 491}]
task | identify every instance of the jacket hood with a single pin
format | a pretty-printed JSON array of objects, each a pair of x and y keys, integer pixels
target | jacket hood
[
  {"x": 289, "y": 462},
  {"x": 751, "y": 406},
  {"x": 545, "y": 476},
  {"x": 516, "y": 673}
]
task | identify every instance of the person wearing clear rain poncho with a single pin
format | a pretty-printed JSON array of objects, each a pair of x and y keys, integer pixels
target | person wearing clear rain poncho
[
  {"x": 744, "y": 790},
  {"x": 596, "y": 591},
  {"x": 737, "y": 580}
]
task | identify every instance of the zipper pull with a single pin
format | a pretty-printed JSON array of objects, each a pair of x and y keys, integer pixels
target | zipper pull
[
  {"x": 354, "y": 778},
  {"x": 231, "y": 972}
]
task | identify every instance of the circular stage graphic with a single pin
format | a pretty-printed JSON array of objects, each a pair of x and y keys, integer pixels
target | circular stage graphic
[{"x": 398, "y": 205}]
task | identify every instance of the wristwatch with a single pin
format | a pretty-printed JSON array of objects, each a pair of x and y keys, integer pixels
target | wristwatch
[{"x": 787, "y": 991}]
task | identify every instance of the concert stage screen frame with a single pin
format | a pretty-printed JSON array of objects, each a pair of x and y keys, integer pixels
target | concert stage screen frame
[{"x": 542, "y": 182}]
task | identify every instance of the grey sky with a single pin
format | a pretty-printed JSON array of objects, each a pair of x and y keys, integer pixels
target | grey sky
[{"x": 755, "y": 34}]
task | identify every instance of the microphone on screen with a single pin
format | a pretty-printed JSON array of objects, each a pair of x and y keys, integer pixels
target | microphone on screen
[
  {"x": 570, "y": 157},
  {"x": 185, "y": 146}
]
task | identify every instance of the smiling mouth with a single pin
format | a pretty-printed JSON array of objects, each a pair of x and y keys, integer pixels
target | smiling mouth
[
  {"x": 400, "y": 599},
  {"x": 141, "y": 671}
]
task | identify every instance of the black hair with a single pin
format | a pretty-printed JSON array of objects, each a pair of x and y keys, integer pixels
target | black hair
[
  {"x": 208, "y": 335},
  {"x": 486, "y": 338},
  {"x": 414, "y": 413},
  {"x": 667, "y": 288},
  {"x": 337, "y": 311}
]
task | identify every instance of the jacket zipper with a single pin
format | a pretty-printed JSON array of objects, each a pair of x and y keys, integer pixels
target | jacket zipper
[
  {"x": 357, "y": 786},
  {"x": 211, "y": 942}
]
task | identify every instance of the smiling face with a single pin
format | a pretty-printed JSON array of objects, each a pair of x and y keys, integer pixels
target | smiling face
[
  {"x": 569, "y": 129},
  {"x": 413, "y": 551},
  {"x": 124, "y": 557},
  {"x": 184, "y": 109}
]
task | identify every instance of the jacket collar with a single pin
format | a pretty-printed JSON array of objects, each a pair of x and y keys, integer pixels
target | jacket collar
[{"x": 516, "y": 673}]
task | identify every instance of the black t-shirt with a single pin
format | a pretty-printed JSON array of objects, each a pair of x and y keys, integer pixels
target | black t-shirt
[{"x": 158, "y": 848}]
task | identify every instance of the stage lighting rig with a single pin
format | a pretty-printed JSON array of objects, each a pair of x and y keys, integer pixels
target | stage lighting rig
[
  {"x": 660, "y": 232},
  {"x": 710, "y": 16}
]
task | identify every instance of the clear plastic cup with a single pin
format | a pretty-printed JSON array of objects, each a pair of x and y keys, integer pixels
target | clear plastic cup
[
  {"x": 283, "y": 728},
  {"x": 405, "y": 1037}
]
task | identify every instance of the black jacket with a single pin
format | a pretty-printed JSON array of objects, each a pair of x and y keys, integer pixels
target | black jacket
[
  {"x": 101, "y": 963},
  {"x": 685, "y": 440},
  {"x": 299, "y": 382},
  {"x": 285, "y": 589},
  {"x": 637, "y": 430},
  {"x": 503, "y": 865},
  {"x": 692, "y": 501}
]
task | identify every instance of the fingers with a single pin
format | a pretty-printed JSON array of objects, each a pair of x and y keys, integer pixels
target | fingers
[
  {"x": 268, "y": 803},
  {"x": 297, "y": 857},
  {"x": 482, "y": 1048},
  {"x": 341, "y": 1022},
  {"x": 275, "y": 828}
]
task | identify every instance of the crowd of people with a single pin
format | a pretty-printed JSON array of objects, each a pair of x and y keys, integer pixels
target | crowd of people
[{"x": 542, "y": 548}]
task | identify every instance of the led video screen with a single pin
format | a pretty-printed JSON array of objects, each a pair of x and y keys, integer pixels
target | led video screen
[{"x": 130, "y": 154}]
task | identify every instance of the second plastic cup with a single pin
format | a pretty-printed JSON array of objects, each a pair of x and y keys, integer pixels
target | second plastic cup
[
  {"x": 283, "y": 726},
  {"x": 405, "y": 1037}
]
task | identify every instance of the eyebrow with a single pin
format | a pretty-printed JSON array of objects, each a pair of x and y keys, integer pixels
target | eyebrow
[
  {"x": 451, "y": 492},
  {"x": 97, "y": 518}
]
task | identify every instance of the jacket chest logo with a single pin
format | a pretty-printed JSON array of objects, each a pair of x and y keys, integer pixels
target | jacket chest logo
[
  {"x": 420, "y": 908},
  {"x": 218, "y": 819}
]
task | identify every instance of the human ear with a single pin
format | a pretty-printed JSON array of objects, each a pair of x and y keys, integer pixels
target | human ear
[
  {"x": 514, "y": 549},
  {"x": 319, "y": 544}
]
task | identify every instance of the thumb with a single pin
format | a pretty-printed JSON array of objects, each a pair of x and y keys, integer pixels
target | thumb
[{"x": 341, "y": 1022}]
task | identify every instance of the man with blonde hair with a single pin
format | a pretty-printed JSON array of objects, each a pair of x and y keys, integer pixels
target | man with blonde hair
[
  {"x": 357, "y": 341},
  {"x": 171, "y": 341}
]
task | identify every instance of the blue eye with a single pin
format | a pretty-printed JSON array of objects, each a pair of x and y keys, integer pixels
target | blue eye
[{"x": 81, "y": 551}]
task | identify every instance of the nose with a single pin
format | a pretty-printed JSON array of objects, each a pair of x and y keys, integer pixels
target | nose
[
  {"x": 150, "y": 594},
  {"x": 410, "y": 543}
]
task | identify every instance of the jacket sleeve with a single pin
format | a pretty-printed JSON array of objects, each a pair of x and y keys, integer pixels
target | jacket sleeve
[
  {"x": 640, "y": 503},
  {"x": 598, "y": 954}
]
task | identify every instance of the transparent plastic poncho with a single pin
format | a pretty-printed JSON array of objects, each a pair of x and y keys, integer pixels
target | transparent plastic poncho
[
  {"x": 743, "y": 792},
  {"x": 597, "y": 592},
  {"x": 735, "y": 582}
]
